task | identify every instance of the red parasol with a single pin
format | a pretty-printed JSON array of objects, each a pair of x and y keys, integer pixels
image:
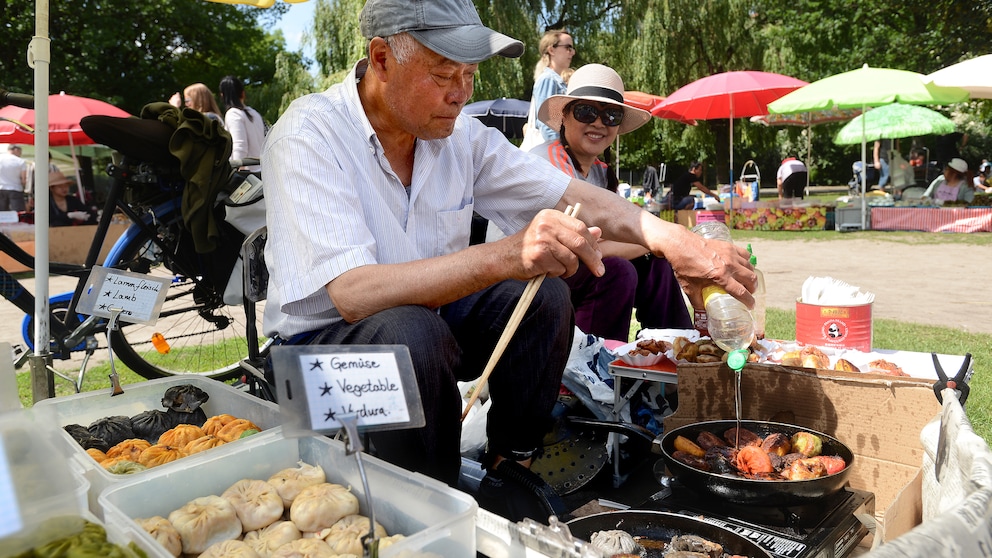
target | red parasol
[
  {"x": 728, "y": 95},
  {"x": 648, "y": 102},
  {"x": 64, "y": 114}
]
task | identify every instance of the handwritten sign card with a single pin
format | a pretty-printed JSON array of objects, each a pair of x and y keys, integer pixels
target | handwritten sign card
[
  {"x": 318, "y": 384},
  {"x": 138, "y": 296}
]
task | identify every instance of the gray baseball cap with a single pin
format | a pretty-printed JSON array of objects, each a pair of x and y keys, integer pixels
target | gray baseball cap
[{"x": 451, "y": 28}]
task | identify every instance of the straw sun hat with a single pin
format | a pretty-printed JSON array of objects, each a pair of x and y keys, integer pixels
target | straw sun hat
[
  {"x": 56, "y": 177},
  {"x": 593, "y": 82}
]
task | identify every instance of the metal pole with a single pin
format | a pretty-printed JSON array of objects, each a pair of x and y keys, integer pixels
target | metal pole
[
  {"x": 39, "y": 57},
  {"x": 864, "y": 171}
]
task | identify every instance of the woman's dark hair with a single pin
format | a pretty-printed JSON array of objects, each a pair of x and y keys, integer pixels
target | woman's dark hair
[
  {"x": 231, "y": 90},
  {"x": 695, "y": 165},
  {"x": 612, "y": 183}
]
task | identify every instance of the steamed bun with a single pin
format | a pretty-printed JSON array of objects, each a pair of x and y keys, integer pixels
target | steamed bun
[{"x": 205, "y": 521}]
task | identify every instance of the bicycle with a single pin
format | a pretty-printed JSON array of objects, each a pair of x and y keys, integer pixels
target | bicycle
[{"x": 204, "y": 335}]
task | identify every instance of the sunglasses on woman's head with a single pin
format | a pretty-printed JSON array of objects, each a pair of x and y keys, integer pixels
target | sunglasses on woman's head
[{"x": 587, "y": 114}]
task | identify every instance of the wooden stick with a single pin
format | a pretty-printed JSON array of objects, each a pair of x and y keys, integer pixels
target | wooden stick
[{"x": 511, "y": 326}]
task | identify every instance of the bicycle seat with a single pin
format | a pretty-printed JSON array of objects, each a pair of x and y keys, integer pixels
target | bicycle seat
[{"x": 139, "y": 138}]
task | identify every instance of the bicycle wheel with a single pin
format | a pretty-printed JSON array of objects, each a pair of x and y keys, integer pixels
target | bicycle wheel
[{"x": 204, "y": 336}]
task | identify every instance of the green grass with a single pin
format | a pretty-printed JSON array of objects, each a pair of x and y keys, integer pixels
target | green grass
[{"x": 96, "y": 377}]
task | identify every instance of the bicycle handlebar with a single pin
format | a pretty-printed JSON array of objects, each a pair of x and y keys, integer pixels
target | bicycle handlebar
[{"x": 16, "y": 99}]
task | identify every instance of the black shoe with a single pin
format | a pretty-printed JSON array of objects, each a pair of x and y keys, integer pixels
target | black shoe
[{"x": 514, "y": 492}]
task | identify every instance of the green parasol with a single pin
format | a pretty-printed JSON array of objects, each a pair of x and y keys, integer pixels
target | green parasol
[
  {"x": 863, "y": 88},
  {"x": 893, "y": 121},
  {"x": 867, "y": 87}
]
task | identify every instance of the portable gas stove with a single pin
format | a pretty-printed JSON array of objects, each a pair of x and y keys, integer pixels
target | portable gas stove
[{"x": 827, "y": 528}]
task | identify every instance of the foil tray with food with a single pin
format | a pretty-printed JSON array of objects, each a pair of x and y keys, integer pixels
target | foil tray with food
[{"x": 689, "y": 347}]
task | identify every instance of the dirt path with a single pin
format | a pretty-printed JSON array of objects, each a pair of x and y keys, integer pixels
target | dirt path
[{"x": 939, "y": 284}]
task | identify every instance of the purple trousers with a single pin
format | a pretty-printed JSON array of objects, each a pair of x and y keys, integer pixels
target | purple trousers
[{"x": 604, "y": 305}]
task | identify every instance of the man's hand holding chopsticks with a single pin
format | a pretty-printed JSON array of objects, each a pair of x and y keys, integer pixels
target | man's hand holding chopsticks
[{"x": 555, "y": 244}]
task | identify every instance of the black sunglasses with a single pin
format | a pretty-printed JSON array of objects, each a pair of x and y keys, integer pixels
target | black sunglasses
[{"x": 587, "y": 114}]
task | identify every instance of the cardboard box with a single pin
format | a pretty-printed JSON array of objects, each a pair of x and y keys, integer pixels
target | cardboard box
[
  {"x": 878, "y": 417},
  {"x": 65, "y": 244}
]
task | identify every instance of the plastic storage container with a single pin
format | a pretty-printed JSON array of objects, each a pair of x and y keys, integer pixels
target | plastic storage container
[
  {"x": 41, "y": 498},
  {"x": 84, "y": 408},
  {"x": 434, "y": 517}
]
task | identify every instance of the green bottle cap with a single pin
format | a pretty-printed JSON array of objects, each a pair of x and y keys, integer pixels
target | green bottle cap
[{"x": 737, "y": 359}]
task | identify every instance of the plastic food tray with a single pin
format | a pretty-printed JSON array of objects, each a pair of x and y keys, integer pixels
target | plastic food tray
[
  {"x": 84, "y": 408},
  {"x": 49, "y": 496},
  {"x": 435, "y": 518}
]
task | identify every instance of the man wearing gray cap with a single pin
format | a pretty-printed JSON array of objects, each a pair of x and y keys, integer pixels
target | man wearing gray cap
[
  {"x": 13, "y": 179},
  {"x": 370, "y": 190}
]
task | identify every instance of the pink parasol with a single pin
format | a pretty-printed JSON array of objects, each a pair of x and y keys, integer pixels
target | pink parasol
[{"x": 728, "y": 95}]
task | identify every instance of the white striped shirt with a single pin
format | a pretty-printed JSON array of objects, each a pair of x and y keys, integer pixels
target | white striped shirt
[{"x": 333, "y": 202}]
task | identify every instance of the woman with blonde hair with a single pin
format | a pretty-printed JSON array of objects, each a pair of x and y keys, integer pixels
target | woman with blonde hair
[
  {"x": 557, "y": 49},
  {"x": 199, "y": 97}
]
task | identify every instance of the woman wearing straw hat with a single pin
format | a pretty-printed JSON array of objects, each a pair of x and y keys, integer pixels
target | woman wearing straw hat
[
  {"x": 64, "y": 209},
  {"x": 589, "y": 117}
]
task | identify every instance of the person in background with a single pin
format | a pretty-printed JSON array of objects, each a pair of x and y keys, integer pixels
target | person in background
[
  {"x": 370, "y": 188},
  {"x": 13, "y": 179},
  {"x": 567, "y": 74},
  {"x": 245, "y": 124},
  {"x": 557, "y": 49},
  {"x": 791, "y": 178},
  {"x": 881, "y": 160},
  {"x": 681, "y": 192},
  {"x": 589, "y": 117},
  {"x": 651, "y": 183},
  {"x": 65, "y": 209},
  {"x": 982, "y": 181},
  {"x": 199, "y": 97},
  {"x": 954, "y": 185}
]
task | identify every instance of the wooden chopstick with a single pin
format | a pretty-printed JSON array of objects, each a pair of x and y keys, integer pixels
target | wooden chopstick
[{"x": 511, "y": 326}]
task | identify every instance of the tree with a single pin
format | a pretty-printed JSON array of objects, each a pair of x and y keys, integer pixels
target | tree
[{"x": 131, "y": 53}]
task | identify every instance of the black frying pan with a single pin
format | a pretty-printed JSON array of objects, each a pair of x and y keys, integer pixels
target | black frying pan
[
  {"x": 662, "y": 526},
  {"x": 756, "y": 492}
]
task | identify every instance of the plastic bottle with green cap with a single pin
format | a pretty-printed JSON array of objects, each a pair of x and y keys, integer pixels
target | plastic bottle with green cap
[
  {"x": 759, "y": 298},
  {"x": 715, "y": 230},
  {"x": 728, "y": 321}
]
